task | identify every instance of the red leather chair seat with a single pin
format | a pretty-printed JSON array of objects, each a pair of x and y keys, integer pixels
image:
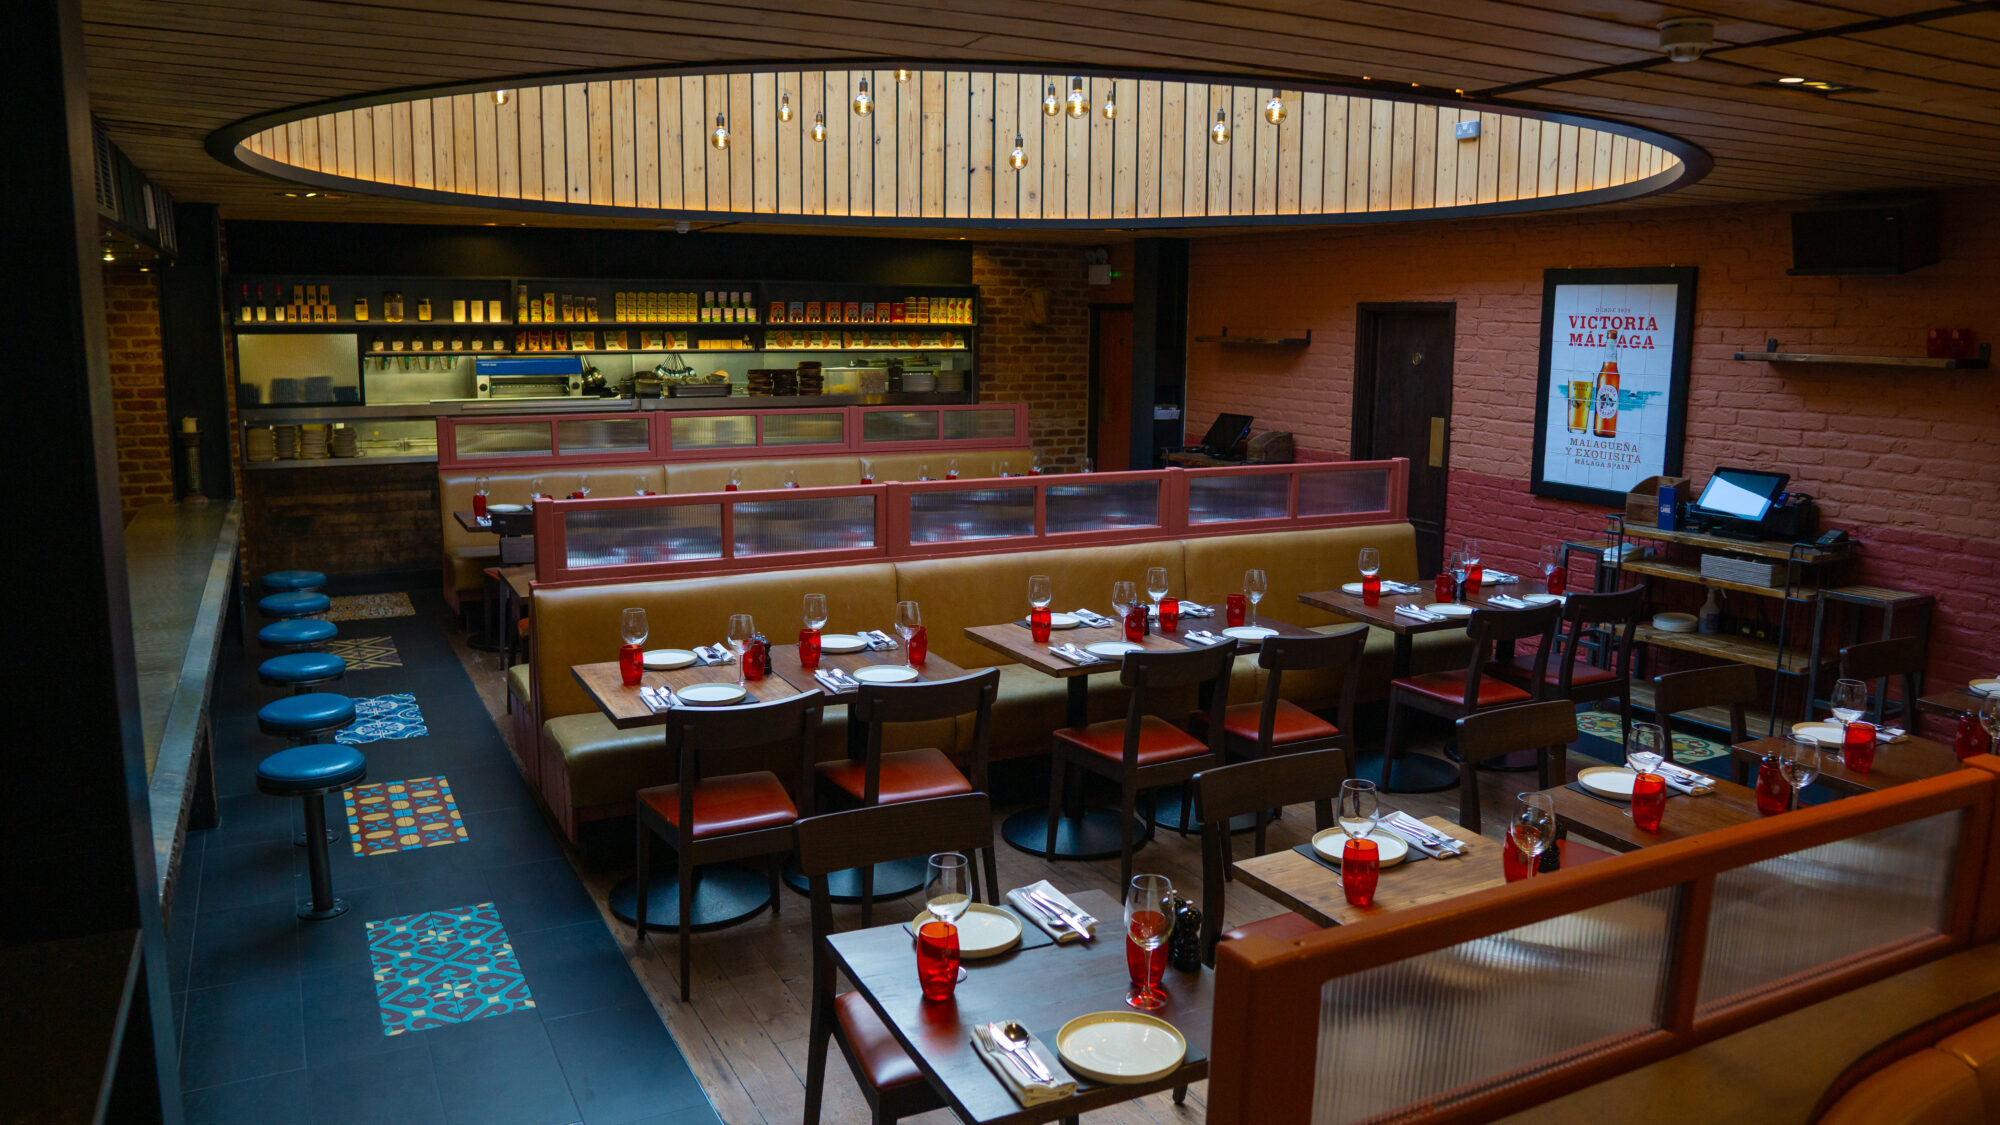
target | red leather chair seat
[
  {"x": 1159, "y": 740},
  {"x": 1283, "y": 927},
  {"x": 1290, "y": 723},
  {"x": 1519, "y": 669},
  {"x": 883, "y": 1062},
  {"x": 1449, "y": 687},
  {"x": 1575, "y": 854},
  {"x": 723, "y": 806},
  {"x": 911, "y": 775}
]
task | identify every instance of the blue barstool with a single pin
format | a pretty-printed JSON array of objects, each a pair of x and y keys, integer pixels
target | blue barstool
[
  {"x": 305, "y": 718},
  {"x": 296, "y": 634},
  {"x": 310, "y": 773},
  {"x": 295, "y": 604},
  {"x": 294, "y": 580},
  {"x": 301, "y": 671}
]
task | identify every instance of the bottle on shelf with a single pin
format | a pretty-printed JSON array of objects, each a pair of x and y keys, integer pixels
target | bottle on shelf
[
  {"x": 1711, "y": 614},
  {"x": 278, "y": 303},
  {"x": 423, "y": 308},
  {"x": 244, "y": 311}
]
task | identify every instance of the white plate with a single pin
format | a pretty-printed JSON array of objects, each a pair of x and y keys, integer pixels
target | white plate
[
  {"x": 1064, "y": 621},
  {"x": 1249, "y": 632},
  {"x": 1675, "y": 622},
  {"x": 1541, "y": 599},
  {"x": 506, "y": 509},
  {"x": 983, "y": 931},
  {"x": 1985, "y": 687},
  {"x": 1121, "y": 1046},
  {"x": 1113, "y": 649},
  {"x": 1351, "y": 588},
  {"x": 842, "y": 642},
  {"x": 1450, "y": 609},
  {"x": 885, "y": 674},
  {"x": 1826, "y": 734},
  {"x": 1391, "y": 848},
  {"x": 661, "y": 659},
  {"x": 1608, "y": 781},
  {"x": 711, "y": 695}
]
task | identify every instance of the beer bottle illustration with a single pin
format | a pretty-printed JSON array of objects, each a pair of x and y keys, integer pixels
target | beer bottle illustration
[{"x": 1607, "y": 389}]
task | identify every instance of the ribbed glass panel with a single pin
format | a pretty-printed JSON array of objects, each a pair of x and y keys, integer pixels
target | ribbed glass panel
[
  {"x": 978, "y": 513},
  {"x": 1335, "y": 493},
  {"x": 1798, "y": 912},
  {"x": 968, "y": 425},
  {"x": 714, "y": 431},
  {"x": 603, "y": 435},
  {"x": 1225, "y": 499},
  {"x": 802, "y": 429},
  {"x": 825, "y": 523},
  {"x": 1102, "y": 506},
  {"x": 899, "y": 425},
  {"x": 643, "y": 535},
  {"x": 501, "y": 439},
  {"x": 1454, "y": 1021}
]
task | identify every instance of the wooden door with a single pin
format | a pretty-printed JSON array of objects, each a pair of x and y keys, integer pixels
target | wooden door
[
  {"x": 1111, "y": 389},
  {"x": 1402, "y": 407}
]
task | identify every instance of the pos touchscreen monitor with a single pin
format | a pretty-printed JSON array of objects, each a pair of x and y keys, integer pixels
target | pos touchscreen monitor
[{"x": 1741, "y": 494}]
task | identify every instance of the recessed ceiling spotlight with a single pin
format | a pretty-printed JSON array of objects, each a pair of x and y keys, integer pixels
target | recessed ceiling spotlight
[
  {"x": 1789, "y": 81},
  {"x": 1813, "y": 86}
]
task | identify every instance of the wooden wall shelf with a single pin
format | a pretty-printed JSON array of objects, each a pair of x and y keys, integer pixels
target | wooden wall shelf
[
  {"x": 1265, "y": 340},
  {"x": 1773, "y": 355}
]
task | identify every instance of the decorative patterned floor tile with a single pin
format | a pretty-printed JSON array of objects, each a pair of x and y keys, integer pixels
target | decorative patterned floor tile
[
  {"x": 444, "y": 967},
  {"x": 364, "y": 653},
  {"x": 395, "y": 816},
  {"x": 379, "y": 718},
  {"x": 1688, "y": 749},
  {"x": 361, "y": 607}
]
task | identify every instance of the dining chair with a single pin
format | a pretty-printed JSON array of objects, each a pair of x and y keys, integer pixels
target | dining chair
[
  {"x": 1876, "y": 663},
  {"x": 1545, "y": 728},
  {"x": 725, "y": 806},
  {"x": 888, "y": 778},
  {"x": 1617, "y": 614},
  {"x": 1143, "y": 751},
  {"x": 1254, "y": 787},
  {"x": 1453, "y": 695},
  {"x": 1733, "y": 686},
  {"x": 889, "y": 1079}
]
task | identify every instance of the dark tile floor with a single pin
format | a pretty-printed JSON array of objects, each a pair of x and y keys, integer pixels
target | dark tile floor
[{"x": 280, "y": 1019}]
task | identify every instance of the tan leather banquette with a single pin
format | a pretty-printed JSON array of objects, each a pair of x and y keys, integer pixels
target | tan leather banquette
[
  {"x": 587, "y": 768},
  {"x": 1956, "y": 1082},
  {"x": 468, "y": 553}
]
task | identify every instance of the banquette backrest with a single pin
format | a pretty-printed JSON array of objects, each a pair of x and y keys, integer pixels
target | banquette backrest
[{"x": 1297, "y": 562}]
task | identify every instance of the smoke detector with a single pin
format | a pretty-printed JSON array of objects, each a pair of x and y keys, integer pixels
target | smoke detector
[{"x": 1684, "y": 40}]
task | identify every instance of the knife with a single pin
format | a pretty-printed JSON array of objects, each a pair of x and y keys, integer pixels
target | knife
[{"x": 1068, "y": 919}]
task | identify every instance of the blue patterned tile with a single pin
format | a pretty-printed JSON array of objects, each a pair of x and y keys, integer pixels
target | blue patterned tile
[
  {"x": 444, "y": 967},
  {"x": 379, "y": 718}
]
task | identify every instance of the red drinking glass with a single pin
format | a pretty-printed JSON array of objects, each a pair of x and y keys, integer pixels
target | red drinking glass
[
  {"x": 1442, "y": 587},
  {"x": 1774, "y": 793},
  {"x": 1857, "y": 747},
  {"x": 937, "y": 959},
  {"x": 1516, "y": 862},
  {"x": 631, "y": 664},
  {"x": 920, "y": 647},
  {"x": 1170, "y": 614},
  {"x": 1233, "y": 609},
  {"x": 1135, "y": 624},
  {"x": 1360, "y": 867},
  {"x": 1473, "y": 574},
  {"x": 1649, "y": 801},
  {"x": 1146, "y": 966},
  {"x": 1371, "y": 589},
  {"x": 1038, "y": 624},
  {"x": 1558, "y": 579},
  {"x": 753, "y": 660},
  {"x": 1970, "y": 740},
  {"x": 809, "y": 649},
  {"x": 479, "y": 505},
  {"x": 730, "y": 487}
]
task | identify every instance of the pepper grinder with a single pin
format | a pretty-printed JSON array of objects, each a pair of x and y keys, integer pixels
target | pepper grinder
[{"x": 1184, "y": 944}]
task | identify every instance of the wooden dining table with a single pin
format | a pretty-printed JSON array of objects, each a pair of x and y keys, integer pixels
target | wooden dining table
[
  {"x": 1606, "y": 822},
  {"x": 1912, "y": 759},
  {"x": 1950, "y": 702},
  {"x": 1041, "y": 988},
  {"x": 1313, "y": 891}
]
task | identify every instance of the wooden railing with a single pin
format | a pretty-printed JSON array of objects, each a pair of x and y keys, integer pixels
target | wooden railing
[{"x": 1289, "y": 1015}]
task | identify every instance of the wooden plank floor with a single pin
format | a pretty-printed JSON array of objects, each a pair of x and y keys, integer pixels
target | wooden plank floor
[{"x": 745, "y": 1031}]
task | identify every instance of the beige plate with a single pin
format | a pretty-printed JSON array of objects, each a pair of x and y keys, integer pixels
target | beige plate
[
  {"x": 1064, "y": 621},
  {"x": 661, "y": 659},
  {"x": 711, "y": 695},
  {"x": 1113, "y": 649},
  {"x": 1392, "y": 848},
  {"x": 1608, "y": 781},
  {"x": 1249, "y": 632},
  {"x": 1121, "y": 1046},
  {"x": 983, "y": 931},
  {"x": 885, "y": 674},
  {"x": 1826, "y": 734},
  {"x": 1541, "y": 599},
  {"x": 505, "y": 509},
  {"x": 1450, "y": 609},
  {"x": 841, "y": 642},
  {"x": 1985, "y": 687}
]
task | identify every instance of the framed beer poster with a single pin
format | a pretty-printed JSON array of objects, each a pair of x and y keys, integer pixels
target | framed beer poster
[{"x": 1611, "y": 405}]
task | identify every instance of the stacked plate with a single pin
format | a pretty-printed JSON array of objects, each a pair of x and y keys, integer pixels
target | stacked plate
[
  {"x": 287, "y": 437},
  {"x": 950, "y": 382},
  {"x": 919, "y": 382},
  {"x": 312, "y": 443},
  {"x": 346, "y": 442},
  {"x": 1675, "y": 622},
  {"x": 286, "y": 390},
  {"x": 260, "y": 444},
  {"x": 319, "y": 388}
]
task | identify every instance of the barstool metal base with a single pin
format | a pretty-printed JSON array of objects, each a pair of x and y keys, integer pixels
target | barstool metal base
[{"x": 311, "y": 912}]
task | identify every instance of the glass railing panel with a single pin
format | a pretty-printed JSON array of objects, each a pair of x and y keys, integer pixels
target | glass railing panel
[
  {"x": 1226, "y": 499},
  {"x": 501, "y": 439},
  {"x": 1344, "y": 491},
  {"x": 714, "y": 431},
  {"x": 899, "y": 425},
  {"x": 959, "y": 515},
  {"x": 579, "y": 436},
  {"x": 825, "y": 523},
  {"x": 624, "y": 536},
  {"x": 1102, "y": 506},
  {"x": 802, "y": 429},
  {"x": 974, "y": 425}
]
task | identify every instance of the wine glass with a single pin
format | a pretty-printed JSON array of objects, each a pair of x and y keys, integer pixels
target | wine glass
[
  {"x": 583, "y": 485},
  {"x": 1799, "y": 762},
  {"x": 1989, "y": 717},
  {"x": 1149, "y": 919},
  {"x": 1534, "y": 827},
  {"x": 1123, "y": 596},
  {"x": 1359, "y": 808},
  {"x": 815, "y": 611},
  {"x": 908, "y": 619},
  {"x": 735, "y": 479},
  {"x": 482, "y": 488},
  {"x": 1371, "y": 562},
  {"x": 1040, "y": 591},
  {"x": 1156, "y": 583},
  {"x": 791, "y": 478},
  {"x": 1551, "y": 558},
  {"x": 632, "y": 626},
  {"x": 1458, "y": 571},
  {"x": 1254, "y": 586},
  {"x": 1850, "y": 701},
  {"x": 1005, "y": 468},
  {"x": 948, "y": 891},
  {"x": 1470, "y": 549},
  {"x": 535, "y": 490},
  {"x": 951, "y": 469},
  {"x": 639, "y": 486},
  {"x": 1035, "y": 466},
  {"x": 741, "y": 629},
  {"x": 924, "y": 471},
  {"x": 1646, "y": 751}
]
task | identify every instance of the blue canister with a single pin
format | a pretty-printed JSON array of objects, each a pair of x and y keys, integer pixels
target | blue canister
[{"x": 1670, "y": 509}]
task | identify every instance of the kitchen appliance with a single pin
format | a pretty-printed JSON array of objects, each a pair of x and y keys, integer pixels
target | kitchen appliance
[{"x": 527, "y": 377}]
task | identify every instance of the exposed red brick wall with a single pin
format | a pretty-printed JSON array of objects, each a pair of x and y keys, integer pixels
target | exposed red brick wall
[
  {"x": 1909, "y": 461},
  {"x": 1047, "y": 364},
  {"x": 138, "y": 388}
]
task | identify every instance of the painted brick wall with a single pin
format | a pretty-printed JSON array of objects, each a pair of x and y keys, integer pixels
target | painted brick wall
[
  {"x": 1907, "y": 460},
  {"x": 138, "y": 388},
  {"x": 1046, "y": 364}
]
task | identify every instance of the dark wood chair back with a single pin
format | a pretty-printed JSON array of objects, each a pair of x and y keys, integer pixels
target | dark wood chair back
[
  {"x": 1878, "y": 662},
  {"x": 1547, "y": 728},
  {"x": 1255, "y": 787},
  {"x": 1618, "y": 612},
  {"x": 711, "y": 741},
  {"x": 878, "y": 705},
  {"x": 1147, "y": 672},
  {"x": 1278, "y": 655},
  {"x": 1729, "y": 685},
  {"x": 1489, "y": 627}
]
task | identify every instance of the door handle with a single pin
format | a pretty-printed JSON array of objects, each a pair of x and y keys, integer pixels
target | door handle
[{"x": 1436, "y": 457}]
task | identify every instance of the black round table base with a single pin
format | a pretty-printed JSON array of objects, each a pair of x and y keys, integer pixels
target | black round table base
[
  {"x": 1094, "y": 835},
  {"x": 310, "y": 911},
  {"x": 1414, "y": 772},
  {"x": 892, "y": 880},
  {"x": 1519, "y": 762},
  {"x": 724, "y": 895},
  {"x": 1169, "y": 816}
]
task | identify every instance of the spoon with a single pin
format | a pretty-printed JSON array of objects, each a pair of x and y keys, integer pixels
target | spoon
[{"x": 1017, "y": 1041}]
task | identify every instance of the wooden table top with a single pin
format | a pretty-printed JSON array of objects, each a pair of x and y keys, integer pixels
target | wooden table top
[
  {"x": 1605, "y": 822},
  {"x": 499, "y": 523},
  {"x": 1912, "y": 759},
  {"x": 1043, "y": 988},
  {"x": 517, "y": 579},
  {"x": 1288, "y": 878},
  {"x": 1384, "y": 615},
  {"x": 1950, "y": 702},
  {"x": 626, "y": 710},
  {"x": 1014, "y": 641},
  {"x": 785, "y": 666}
]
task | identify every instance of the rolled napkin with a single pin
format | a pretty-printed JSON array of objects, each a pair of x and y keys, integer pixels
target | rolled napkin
[
  {"x": 714, "y": 654},
  {"x": 1891, "y": 734},
  {"x": 1026, "y": 1092},
  {"x": 1203, "y": 636},
  {"x": 1188, "y": 609},
  {"x": 1073, "y": 654},
  {"x": 1498, "y": 578},
  {"x": 878, "y": 641},
  {"x": 830, "y": 680},
  {"x": 1415, "y": 613},
  {"x": 1389, "y": 587},
  {"x": 1094, "y": 620},
  {"x": 1034, "y": 912},
  {"x": 655, "y": 700},
  {"x": 1421, "y": 836},
  {"x": 1507, "y": 602},
  {"x": 1687, "y": 781}
]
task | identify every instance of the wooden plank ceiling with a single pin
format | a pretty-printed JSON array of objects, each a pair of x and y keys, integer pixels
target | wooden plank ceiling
[{"x": 1926, "y": 112}]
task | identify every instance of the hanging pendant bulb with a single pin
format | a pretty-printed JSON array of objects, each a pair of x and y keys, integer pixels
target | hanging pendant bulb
[
  {"x": 864, "y": 102},
  {"x": 1111, "y": 102},
  {"x": 784, "y": 107},
  {"x": 1018, "y": 158},
  {"x": 819, "y": 126},
  {"x": 500, "y": 97},
  {"x": 1079, "y": 103},
  {"x": 902, "y": 75},
  {"x": 1051, "y": 105},
  {"x": 1219, "y": 132},
  {"x": 1274, "y": 110},
  {"x": 719, "y": 138}
]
